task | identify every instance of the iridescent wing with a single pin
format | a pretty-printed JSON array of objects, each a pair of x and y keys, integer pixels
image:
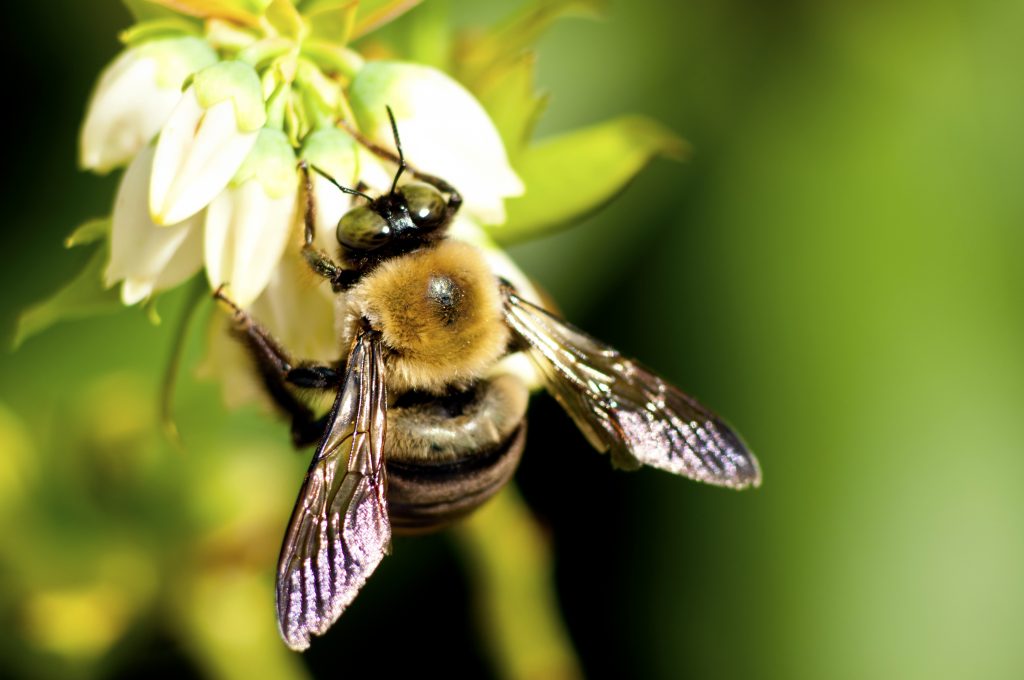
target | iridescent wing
[
  {"x": 339, "y": 530},
  {"x": 623, "y": 408}
]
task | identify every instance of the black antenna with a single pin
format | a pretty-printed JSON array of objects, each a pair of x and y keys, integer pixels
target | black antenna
[
  {"x": 353, "y": 192},
  {"x": 398, "y": 145}
]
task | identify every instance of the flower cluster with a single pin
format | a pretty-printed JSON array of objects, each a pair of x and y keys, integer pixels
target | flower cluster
[
  {"x": 206, "y": 113},
  {"x": 213, "y": 103},
  {"x": 232, "y": 110}
]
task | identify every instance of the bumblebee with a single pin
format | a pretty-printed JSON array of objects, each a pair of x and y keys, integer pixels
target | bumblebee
[{"x": 420, "y": 433}]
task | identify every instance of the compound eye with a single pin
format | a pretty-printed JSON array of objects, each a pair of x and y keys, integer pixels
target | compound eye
[
  {"x": 363, "y": 229},
  {"x": 426, "y": 204}
]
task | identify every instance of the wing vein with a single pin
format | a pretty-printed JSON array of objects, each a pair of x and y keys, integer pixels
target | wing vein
[{"x": 339, "y": 529}]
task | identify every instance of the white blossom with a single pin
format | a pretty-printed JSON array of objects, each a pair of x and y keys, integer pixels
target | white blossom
[
  {"x": 444, "y": 131},
  {"x": 134, "y": 97},
  {"x": 248, "y": 224},
  {"x": 147, "y": 257},
  {"x": 208, "y": 135}
]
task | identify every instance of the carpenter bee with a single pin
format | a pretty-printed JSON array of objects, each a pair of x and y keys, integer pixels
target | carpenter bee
[{"x": 420, "y": 432}]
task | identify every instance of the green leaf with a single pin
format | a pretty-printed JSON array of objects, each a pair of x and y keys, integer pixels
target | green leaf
[
  {"x": 484, "y": 55},
  {"x": 165, "y": 27},
  {"x": 282, "y": 15},
  {"x": 246, "y": 12},
  {"x": 82, "y": 297},
  {"x": 572, "y": 175},
  {"x": 88, "y": 232},
  {"x": 332, "y": 21},
  {"x": 513, "y": 103},
  {"x": 429, "y": 38},
  {"x": 375, "y": 13},
  {"x": 198, "y": 293},
  {"x": 146, "y": 10}
]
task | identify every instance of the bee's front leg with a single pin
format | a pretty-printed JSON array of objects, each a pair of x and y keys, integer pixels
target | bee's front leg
[
  {"x": 319, "y": 261},
  {"x": 281, "y": 375}
]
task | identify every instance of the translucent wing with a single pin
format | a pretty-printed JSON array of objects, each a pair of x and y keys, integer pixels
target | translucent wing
[
  {"x": 339, "y": 530},
  {"x": 623, "y": 408}
]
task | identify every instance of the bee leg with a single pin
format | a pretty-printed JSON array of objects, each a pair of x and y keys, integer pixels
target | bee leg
[
  {"x": 281, "y": 378},
  {"x": 314, "y": 377},
  {"x": 309, "y": 432},
  {"x": 281, "y": 375},
  {"x": 319, "y": 261}
]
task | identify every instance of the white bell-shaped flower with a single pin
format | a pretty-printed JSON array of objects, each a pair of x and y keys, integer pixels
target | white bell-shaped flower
[
  {"x": 208, "y": 135},
  {"x": 134, "y": 97},
  {"x": 147, "y": 257},
  {"x": 248, "y": 224},
  {"x": 444, "y": 131}
]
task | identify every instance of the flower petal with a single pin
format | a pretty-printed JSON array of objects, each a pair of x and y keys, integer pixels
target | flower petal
[
  {"x": 114, "y": 130},
  {"x": 248, "y": 224},
  {"x": 246, "y": 233},
  {"x": 300, "y": 311},
  {"x": 146, "y": 256},
  {"x": 134, "y": 97},
  {"x": 187, "y": 259},
  {"x": 199, "y": 151}
]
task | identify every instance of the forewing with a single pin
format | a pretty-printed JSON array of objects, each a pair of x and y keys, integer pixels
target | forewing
[
  {"x": 339, "y": 530},
  {"x": 623, "y": 408}
]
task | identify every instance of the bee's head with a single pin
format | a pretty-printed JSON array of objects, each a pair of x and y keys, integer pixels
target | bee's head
[
  {"x": 405, "y": 216},
  {"x": 411, "y": 212}
]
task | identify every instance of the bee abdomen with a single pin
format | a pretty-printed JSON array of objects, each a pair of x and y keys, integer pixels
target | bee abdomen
[{"x": 446, "y": 456}]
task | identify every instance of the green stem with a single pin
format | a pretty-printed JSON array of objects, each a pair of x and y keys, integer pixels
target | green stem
[
  {"x": 511, "y": 568},
  {"x": 196, "y": 293}
]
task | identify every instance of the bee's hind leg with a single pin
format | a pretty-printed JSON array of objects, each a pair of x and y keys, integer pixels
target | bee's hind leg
[{"x": 281, "y": 376}]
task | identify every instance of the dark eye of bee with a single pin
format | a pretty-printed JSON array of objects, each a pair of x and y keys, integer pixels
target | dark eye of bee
[
  {"x": 426, "y": 204},
  {"x": 363, "y": 229}
]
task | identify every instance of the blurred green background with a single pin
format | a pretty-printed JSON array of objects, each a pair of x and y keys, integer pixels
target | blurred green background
[{"x": 836, "y": 270}]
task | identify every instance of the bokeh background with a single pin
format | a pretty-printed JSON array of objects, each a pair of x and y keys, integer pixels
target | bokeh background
[{"x": 836, "y": 269}]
